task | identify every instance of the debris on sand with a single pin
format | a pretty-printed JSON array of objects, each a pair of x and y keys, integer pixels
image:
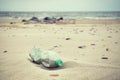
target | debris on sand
[
  {"x": 45, "y": 20},
  {"x": 93, "y": 44},
  {"x": 50, "y": 20},
  {"x": 11, "y": 22},
  {"x": 59, "y": 19},
  {"x": 104, "y": 57},
  {"x": 68, "y": 38},
  {"x": 31, "y": 20},
  {"x": 54, "y": 75},
  {"x": 81, "y": 46},
  {"x": 24, "y": 20},
  {"x": 5, "y": 51},
  {"x": 107, "y": 49},
  {"x": 34, "y": 19}
]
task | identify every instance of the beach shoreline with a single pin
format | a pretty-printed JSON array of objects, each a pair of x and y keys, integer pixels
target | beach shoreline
[{"x": 66, "y": 21}]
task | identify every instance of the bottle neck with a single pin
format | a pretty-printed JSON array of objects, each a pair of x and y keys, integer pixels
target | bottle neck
[{"x": 58, "y": 62}]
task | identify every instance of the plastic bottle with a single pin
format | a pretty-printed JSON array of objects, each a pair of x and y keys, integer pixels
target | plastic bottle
[
  {"x": 50, "y": 59},
  {"x": 35, "y": 55},
  {"x": 47, "y": 58}
]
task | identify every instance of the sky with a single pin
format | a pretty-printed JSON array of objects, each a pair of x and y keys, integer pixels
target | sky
[{"x": 59, "y": 5}]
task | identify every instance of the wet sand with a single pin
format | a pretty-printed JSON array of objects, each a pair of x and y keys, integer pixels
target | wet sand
[{"x": 90, "y": 50}]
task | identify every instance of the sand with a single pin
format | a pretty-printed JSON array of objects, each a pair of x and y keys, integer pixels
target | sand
[{"x": 90, "y": 50}]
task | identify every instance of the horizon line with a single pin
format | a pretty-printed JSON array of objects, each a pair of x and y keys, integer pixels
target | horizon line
[{"x": 58, "y": 11}]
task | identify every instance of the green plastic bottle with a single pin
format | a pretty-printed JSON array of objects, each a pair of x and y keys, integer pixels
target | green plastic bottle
[
  {"x": 51, "y": 59},
  {"x": 35, "y": 54},
  {"x": 47, "y": 58}
]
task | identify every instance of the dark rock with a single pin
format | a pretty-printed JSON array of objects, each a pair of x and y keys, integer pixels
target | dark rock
[
  {"x": 34, "y": 19},
  {"x": 47, "y": 19},
  {"x": 24, "y": 20},
  {"x": 51, "y": 20},
  {"x": 61, "y": 18}
]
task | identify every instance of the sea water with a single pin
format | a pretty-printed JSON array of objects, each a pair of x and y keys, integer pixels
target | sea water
[{"x": 65, "y": 15}]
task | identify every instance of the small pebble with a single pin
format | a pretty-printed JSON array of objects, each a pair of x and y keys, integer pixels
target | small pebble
[
  {"x": 107, "y": 49},
  {"x": 104, "y": 57},
  {"x": 11, "y": 22},
  {"x": 67, "y": 38},
  {"x": 5, "y": 51},
  {"x": 93, "y": 44},
  {"x": 81, "y": 47}
]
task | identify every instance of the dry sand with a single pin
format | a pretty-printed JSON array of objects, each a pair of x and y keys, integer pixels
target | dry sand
[{"x": 89, "y": 51}]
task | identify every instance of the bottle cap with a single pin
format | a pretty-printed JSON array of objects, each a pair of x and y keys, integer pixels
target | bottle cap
[{"x": 58, "y": 62}]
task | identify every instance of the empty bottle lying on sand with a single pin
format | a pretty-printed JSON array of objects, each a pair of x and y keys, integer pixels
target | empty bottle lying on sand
[{"x": 46, "y": 58}]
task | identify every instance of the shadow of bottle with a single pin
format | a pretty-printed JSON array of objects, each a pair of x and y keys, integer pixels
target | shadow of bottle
[{"x": 66, "y": 65}]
